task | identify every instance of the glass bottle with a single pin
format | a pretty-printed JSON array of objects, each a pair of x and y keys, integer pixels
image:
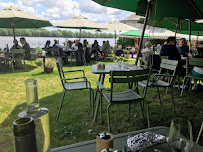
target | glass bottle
[{"x": 39, "y": 114}]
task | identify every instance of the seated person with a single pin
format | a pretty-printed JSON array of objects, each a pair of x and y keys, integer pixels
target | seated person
[
  {"x": 146, "y": 53},
  {"x": 107, "y": 48},
  {"x": 61, "y": 53},
  {"x": 47, "y": 45},
  {"x": 182, "y": 47},
  {"x": 95, "y": 49},
  {"x": 25, "y": 46},
  {"x": 16, "y": 45},
  {"x": 119, "y": 51},
  {"x": 170, "y": 49}
]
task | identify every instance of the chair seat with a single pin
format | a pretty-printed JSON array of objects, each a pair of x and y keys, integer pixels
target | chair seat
[
  {"x": 158, "y": 83},
  {"x": 77, "y": 85},
  {"x": 123, "y": 97}
]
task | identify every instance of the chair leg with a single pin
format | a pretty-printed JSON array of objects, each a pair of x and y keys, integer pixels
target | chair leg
[
  {"x": 108, "y": 117},
  {"x": 171, "y": 89},
  {"x": 184, "y": 85},
  {"x": 128, "y": 111},
  {"x": 141, "y": 109},
  {"x": 159, "y": 95},
  {"x": 90, "y": 97},
  {"x": 60, "y": 105},
  {"x": 101, "y": 108},
  {"x": 148, "y": 123},
  {"x": 92, "y": 102}
]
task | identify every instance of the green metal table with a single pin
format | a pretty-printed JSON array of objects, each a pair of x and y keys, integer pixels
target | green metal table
[
  {"x": 121, "y": 140},
  {"x": 102, "y": 72}
]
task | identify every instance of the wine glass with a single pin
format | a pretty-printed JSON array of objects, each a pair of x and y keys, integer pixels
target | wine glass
[
  {"x": 115, "y": 59},
  {"x": 120, "y": 62},
  {"x": 180, "y": 135}
]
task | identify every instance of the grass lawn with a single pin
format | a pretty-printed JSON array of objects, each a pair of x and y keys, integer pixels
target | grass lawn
[{"x": 76, "y": 113}]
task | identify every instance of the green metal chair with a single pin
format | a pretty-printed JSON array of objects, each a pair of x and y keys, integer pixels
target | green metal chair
[
  {"x": 169, "y": 69},
  {"x": 73, "y": 83},
  {"x": 18, "y": 55},
  {"x": 33, "y": 55},
  {"x": 126, "y": 97},
  {"x": 190, "y": 63}
]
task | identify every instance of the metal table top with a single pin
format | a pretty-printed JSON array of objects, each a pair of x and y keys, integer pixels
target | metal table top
[{"x": 121, "y": 140}]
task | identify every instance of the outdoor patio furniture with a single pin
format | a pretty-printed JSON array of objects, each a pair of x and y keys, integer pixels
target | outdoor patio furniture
[
  {"x": 18, "y": 55},
  {"x": 167, "y": 71},
  {"x": 69, "y": 85},
  {"x": 128, "y": 96},
  {"x": 102, "y": 73},
  {"x": 33, "y": 55},
  {"x": 190, "y": 63},
  {"x": 120, "y": 140}
]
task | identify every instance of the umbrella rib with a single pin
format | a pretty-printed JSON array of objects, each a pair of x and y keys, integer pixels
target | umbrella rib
[
  {"x": 172, "y": 21},
  {"x": 106, "y": 2},
  {"x": 161, "y": 20},
  {"x": 33, "y": 24},
  {"x": 196, "y": 8}
]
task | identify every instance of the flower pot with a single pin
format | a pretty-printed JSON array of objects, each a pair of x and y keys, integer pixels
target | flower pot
[
  {"x": 49, "y": 69},
  {"x": 127, "y": 56}
]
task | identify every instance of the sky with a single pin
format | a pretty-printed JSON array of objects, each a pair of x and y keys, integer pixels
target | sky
[{"x": 60, "y": 10}]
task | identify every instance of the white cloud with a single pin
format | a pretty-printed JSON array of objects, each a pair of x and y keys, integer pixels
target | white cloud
[{"x": 59, "y": 10}]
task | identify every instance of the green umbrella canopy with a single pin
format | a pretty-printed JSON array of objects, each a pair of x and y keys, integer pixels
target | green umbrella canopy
[
  {"x": 192, "y": 32},
  {"x": 161, "y": 8},
  {"x": 14, "y": 18},
  {"x": 78, "y": 22},
  {"x": 170, "y": 23},
  {"x": 137, "y": 33}
]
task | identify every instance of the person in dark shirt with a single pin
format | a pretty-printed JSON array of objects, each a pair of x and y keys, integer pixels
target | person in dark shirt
[
  {"x": 170, "y": 49},
  {"x": 183, "y": 49}
]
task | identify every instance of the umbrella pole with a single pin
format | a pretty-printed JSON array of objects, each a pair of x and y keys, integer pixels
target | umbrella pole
[
  {"x": 190, "y": 35},
  {"x": 115, "y": 40},
  {"x": 80, "y": 34},
  {"x": 143, "y": 30},
  {"x": 177, "y": 26},
  {"x": 14, "y": 32}
]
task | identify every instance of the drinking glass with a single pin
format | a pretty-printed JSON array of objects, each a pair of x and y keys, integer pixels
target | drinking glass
[
  {"x": 120, "y": 62},
  {"x": 115, "y": 59},
  {"x": 180, "y": 135}
]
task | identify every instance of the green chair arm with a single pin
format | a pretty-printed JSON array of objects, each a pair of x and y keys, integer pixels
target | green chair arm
[
  {"x": 161, "y": 75},
  {"x": 101, "y": 86},
  {"x": 75, "y": 78},
  {"x": 74, "y": 70}
]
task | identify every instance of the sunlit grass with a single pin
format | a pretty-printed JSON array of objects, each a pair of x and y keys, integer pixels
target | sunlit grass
[{"x": 76, "y": 114}]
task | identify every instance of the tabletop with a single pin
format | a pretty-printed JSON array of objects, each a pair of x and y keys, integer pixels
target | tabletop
[
  {"x": 113, "y": 67},
  {"x": 121, "y": 140}
]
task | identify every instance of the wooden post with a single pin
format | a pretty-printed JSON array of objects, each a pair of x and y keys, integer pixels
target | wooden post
[
  {"x": 115, "y": 40},
  {"x": 149, "y": 6},
  {"x": 177, "y": 26},
  {"x": 80, "y": 34}
]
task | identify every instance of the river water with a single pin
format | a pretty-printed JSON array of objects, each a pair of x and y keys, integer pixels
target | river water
[{"x": 40, "y": 41}]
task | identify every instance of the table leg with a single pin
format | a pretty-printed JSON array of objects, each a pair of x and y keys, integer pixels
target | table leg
[
  {"x": 70, "y": 58},
  {"x": 98, "y": 103}
]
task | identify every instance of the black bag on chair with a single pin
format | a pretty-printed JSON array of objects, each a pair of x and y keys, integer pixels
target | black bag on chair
[
  {"x": 87, "y": 55},
  {"x": 79, "y": 57}
]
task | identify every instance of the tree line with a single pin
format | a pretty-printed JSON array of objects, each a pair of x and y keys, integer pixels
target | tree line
[{"x": 53, "y": 33}]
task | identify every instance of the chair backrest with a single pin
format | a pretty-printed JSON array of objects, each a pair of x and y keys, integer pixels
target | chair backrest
[
  {"x": 133, "y": 76},
  {"x": 18, "y": 51},
  {"x": 170, "y": 66},
  {"x": 60, "y": 70},
  {"x": 196, "y": 61},
  {"x": 164, "y": 57},
  {"x": 18, "y": 54}
]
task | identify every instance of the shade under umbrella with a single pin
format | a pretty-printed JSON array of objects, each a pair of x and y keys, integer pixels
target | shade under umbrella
[
  {"x": 78, "y": 22},
  {"x": 118, "y": 26},
  {"x": 14, "y": 18},
  {"x": 168, "y": 8},
  {"x": 136, "y": 33},
  {"x": 175, "y": 24}
]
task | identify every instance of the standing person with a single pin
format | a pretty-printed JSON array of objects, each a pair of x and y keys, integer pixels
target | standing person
[
  {"x": 182, "y": 47},
  {"x": 79, "y": 53},
  {"x": 170, "y": 49},
  {"x": 107, "y": 48},
  {"x": 25, "y": 46},
  {"x": 87, "y": 51}
]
